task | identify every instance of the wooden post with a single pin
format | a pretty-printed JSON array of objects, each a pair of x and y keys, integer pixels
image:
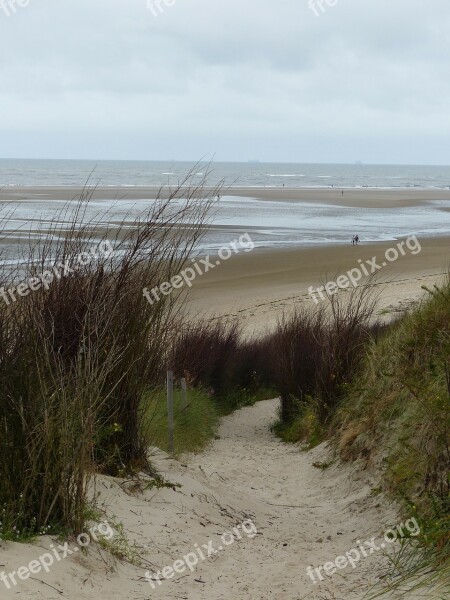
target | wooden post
[
  {"x": 184, "y": 395},
  {"x": 170, "y": 408}
]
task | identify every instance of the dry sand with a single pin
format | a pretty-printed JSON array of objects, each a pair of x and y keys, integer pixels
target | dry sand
[
  {"x": 305, "y": 516},
  {"x": 257, "y": 287}
]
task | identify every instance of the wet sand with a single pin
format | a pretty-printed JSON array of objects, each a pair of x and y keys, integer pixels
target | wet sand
[
  {"x": 258, "y": 286},
  {"x": 358, "y": 197}
]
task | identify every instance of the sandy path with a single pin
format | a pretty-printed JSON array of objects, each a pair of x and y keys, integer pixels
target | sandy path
[{"x": 304, "y": 516}]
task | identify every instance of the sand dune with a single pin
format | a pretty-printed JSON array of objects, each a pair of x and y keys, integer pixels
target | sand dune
[{"x": 304, "y": 516}]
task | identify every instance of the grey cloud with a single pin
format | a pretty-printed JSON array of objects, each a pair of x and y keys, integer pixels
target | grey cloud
[{"x": 227, "y": 77}]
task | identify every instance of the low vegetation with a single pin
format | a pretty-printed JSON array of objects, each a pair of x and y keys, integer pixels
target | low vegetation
[
  {"x": 314, "y": 356},
  {"x": 195, "y": 423}
]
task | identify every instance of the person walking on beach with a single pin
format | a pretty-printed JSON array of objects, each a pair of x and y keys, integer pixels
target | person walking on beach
[{"x": 356, "y": 239}]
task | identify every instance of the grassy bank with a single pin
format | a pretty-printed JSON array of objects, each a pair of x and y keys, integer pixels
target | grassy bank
[{"x": 396, "y": 416}]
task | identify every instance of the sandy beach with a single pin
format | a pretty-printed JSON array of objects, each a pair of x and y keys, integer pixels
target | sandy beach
[
  {"x": 257, "y": 287},
  {"x": 303, "y": 516}
]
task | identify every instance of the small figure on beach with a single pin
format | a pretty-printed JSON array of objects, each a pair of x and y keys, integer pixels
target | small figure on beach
[
  {"x": 355, "y": 240},
  {"x": 342, "y": 192}
]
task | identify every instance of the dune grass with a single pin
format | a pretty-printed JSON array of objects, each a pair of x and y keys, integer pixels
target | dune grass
[
  {"x": 313, "y": 355},
  {"x": 78, "y": 351},
  {"x": 398, "y": 408},
  {"x": 214, "y": 355}
]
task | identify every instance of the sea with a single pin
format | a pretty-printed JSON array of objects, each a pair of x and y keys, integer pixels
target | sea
[{"x": 19, "y": 172}]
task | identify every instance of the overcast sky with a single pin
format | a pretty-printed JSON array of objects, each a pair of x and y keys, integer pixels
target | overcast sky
[{"x": 242, "y": 79}]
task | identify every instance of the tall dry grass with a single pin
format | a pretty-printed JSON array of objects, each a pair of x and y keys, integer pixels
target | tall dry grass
[
  {"x": 77, "y": 355},
  {"x": 213, "y": 354},
  {"x": 315, "y": 351}
]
